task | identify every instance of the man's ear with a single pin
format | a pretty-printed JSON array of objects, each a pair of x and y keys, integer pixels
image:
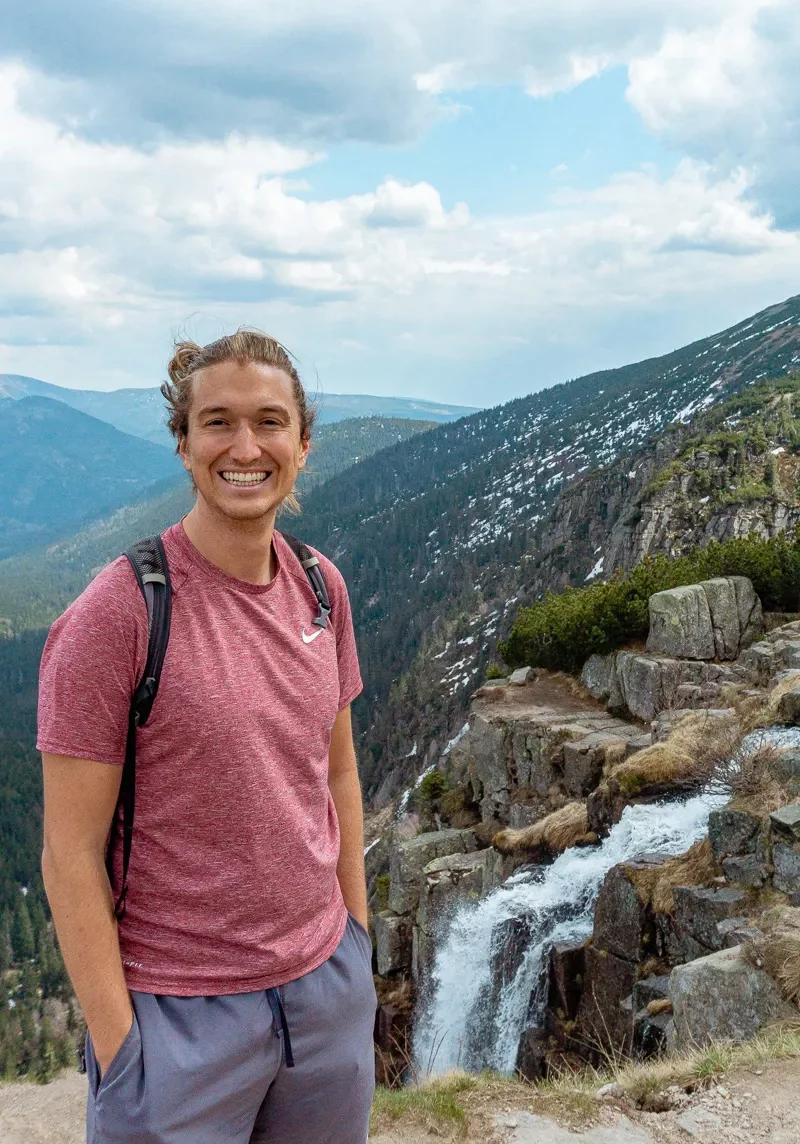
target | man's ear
[
  {"x": 183, "y": 454},
  {"x": 305, "y": 448}
]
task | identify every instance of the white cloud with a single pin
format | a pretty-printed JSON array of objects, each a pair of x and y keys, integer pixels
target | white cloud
[{"x": 728, "y": 93}]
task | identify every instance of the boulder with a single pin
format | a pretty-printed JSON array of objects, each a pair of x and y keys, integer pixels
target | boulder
[
  {"x": 604, "y": 1022},
  {"x": 732, "y": 832},
  {"x": 521, "y": 676},
  {"x": 738, "y": 931},
  {"x": 597, "y": 675},
  {"x": 748, "y": 870},
  {"x": 785, "y": 823},
  {"x": 409, "y": 859},
  {"x": 567, "y": 971},
  {"x": 620, "y": 919},
  {"x": 788, "y": 764},
  {"x": 736, "y": 616},
  {"x": 650, "y": 1032},
  {"x": 698, "y": 911},
  {"x": 392, "y": 942},
  {"x": 789, "y": 707},
  {"x": 680, "y": 624},
  {"x": 655, "y": 988},
  {"x": 722, "y": 997},
  {"x": 786, "y": 859},
  {"x": 584, "y": 759}
]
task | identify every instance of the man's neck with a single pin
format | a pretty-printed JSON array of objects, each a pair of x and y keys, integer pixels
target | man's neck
[{"x": 242, "y": 548}]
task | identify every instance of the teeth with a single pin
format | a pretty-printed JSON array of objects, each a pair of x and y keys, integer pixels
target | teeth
[{"x": 244, "y": 478}]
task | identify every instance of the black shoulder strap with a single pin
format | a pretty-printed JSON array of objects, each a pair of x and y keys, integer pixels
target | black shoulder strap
[
  {"x": 313, "y": 570},
  {"x": 149, "y": 563}
]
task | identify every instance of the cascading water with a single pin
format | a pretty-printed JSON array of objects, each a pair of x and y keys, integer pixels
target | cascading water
[{"x": 467, "y": 1022}]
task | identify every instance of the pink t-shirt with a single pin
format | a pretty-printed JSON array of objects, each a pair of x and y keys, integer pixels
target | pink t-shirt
[{"x": 232, "y": 880}]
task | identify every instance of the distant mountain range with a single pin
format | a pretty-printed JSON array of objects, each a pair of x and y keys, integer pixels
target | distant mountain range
[
  {"x": 140, "y": 412},
  {"x": 59, "y": 466}
]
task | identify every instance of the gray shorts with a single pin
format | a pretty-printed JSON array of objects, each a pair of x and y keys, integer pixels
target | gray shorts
[{"x": 213, "y": 1070}]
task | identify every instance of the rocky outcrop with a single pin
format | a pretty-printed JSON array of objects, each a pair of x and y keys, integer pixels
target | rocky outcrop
[
  {"x": 722, "y": 997},
  {"x": 409, "y": 859},
  {"x": 715, "y": 619}
]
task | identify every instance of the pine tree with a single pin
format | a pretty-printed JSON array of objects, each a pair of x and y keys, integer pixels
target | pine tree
[
  {"x": 46, "y": 1064},
  {"x": 22, "y": 940},
  {"x": 5, "y": 943}
]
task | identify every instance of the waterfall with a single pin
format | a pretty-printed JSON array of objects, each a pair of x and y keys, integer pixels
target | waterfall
[{"x": 468, "y": 1025}]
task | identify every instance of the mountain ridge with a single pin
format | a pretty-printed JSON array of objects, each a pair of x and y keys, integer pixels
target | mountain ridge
[{"x": 141, "y": 412}]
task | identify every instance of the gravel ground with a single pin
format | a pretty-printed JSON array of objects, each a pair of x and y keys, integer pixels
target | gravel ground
[{"x": 747, "y": 1108}]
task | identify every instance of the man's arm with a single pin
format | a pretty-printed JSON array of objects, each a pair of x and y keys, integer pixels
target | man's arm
[
  {"x": 345, "y": 790},
  {"x": 79, "y": 802}
]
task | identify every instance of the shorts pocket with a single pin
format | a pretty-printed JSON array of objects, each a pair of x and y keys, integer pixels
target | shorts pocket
[
  {"x": 128, "y": 1051},
  {"x": 363, "y": 939}
]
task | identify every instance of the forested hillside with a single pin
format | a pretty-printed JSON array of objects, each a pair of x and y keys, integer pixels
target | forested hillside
[{"x": 59, "y": 466}]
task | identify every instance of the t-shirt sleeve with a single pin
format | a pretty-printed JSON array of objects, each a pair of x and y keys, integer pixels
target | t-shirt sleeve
[
  {"x": 350, "y": 684},
  {"x": 92, "y": 659}
]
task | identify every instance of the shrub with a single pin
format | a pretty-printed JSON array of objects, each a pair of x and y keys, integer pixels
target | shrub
[
  {"x": 495, "y": 671},
  {"x": 562, "y": 630}
]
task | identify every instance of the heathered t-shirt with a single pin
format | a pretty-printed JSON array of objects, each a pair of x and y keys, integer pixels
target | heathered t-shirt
[{"x": 232, "y": 879}]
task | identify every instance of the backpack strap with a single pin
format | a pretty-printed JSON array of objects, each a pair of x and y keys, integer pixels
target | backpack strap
[
  {"x": 313, "y": 570},
  {"x": 149, "y": 563}
]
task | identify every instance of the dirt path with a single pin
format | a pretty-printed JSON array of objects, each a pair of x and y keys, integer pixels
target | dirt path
[{"x": 747, "y": 1108}]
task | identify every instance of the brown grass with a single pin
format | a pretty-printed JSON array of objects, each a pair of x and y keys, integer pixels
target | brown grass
[
  {"x": 697, "y": 746},
  {"x": 769, "y": 711},
  {"x": 778, "y": 952},
  {"x": 660, "y": 1005},
  {"x": 655, "y": 884},
  {"x": 557, "y": 831}
]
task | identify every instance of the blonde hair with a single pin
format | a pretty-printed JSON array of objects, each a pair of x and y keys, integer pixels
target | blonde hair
[{"x": 246, "y": 346}]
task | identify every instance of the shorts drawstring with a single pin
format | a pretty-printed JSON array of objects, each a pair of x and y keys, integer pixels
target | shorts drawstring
[{"x": 281, "y": 1025}]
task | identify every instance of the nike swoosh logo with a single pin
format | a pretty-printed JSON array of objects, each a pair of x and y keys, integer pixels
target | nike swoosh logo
[{"x": 312, "y": 637}]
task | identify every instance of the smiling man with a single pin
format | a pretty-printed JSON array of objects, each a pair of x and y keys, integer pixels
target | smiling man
[{"x": 233, "y": 1002}]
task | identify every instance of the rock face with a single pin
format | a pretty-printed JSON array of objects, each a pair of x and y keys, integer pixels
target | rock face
[
  {"x": 393, "y": 943},
  {"x": 448, "y": 881},
  {"x": 699, "y": 911},
  {"x": 714, "y": 619},
  {"x": 723, "y": 998},
  {"x": 409, "y": 859}
]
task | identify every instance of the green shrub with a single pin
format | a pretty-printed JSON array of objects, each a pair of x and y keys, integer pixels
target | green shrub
[
  {"x": 429, "y": 791},
  {"x": 495, "y": 671},
  {"x": 562, "y": 630}
]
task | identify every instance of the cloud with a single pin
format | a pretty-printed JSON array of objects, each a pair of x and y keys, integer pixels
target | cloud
[{"x": 728, "y": 94}]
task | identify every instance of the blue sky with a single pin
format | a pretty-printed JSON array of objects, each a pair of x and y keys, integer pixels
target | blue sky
[{"x": 458, "y": 201}]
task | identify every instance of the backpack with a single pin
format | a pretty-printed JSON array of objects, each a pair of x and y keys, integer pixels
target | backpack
[{"x": 149, "y": 563}]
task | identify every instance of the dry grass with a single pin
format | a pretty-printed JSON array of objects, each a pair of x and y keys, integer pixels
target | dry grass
[
  {"x": 778, "y": 952},
  {"x": 557, "y": 831},
  {"x": 655, "y": 884},
  {"x": 769, "y": 710},
  {"x": 696, "y": 1067},
  {"x": 696, "y": 748}
]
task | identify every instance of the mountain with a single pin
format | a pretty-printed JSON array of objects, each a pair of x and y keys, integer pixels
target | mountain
[
  {"x": 140, "y": 412},
  {"x": 36, "y": 586},
  {"x": 732, "y": 471},
  {"x": 436, "y": 537},
  {"x": 59, "y": 466}
]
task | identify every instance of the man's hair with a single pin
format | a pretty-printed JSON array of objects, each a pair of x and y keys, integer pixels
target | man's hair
[{"x": 245, "y": 347}]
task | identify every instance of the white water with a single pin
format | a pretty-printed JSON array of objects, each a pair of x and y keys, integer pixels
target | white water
[{"x": 462, "y": 1025}]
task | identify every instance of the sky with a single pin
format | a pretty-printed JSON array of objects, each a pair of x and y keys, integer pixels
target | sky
[{"x": 458, "y": 201}]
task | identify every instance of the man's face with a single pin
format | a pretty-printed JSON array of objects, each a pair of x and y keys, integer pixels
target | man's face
[{"x": 243, "y": 446}]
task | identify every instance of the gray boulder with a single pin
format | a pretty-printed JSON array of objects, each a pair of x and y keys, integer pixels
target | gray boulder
[
  {"x": 698, "y": 912},
  {"x": 392, "y": 943},
  {"x": 723, "y": 998},
  {"x": 680, "y": 624},
  {"x": 785, "y": 823},
  {"x": 732, "y": 832},
  {"x": 597, "y": 675},
  {"x": 409, "y": 859},
  {"x": 717, "y": 618},
  {"x": 786, "y": 860},
  {"x": 789, "y": 708}
]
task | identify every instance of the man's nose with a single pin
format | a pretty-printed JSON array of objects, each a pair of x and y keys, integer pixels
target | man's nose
[{"x": 245, "y": 447}]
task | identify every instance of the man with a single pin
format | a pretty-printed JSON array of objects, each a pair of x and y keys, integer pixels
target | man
[{"x": 234, "y": 1000}]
